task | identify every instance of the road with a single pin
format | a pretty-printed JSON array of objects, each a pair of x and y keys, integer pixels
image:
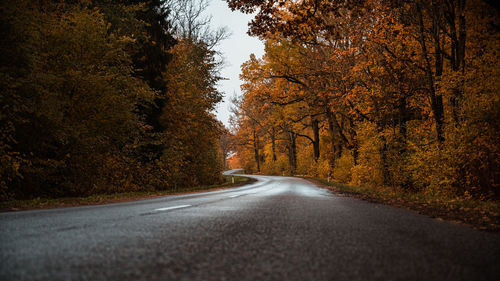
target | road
[{"x": 277, "y": 228}]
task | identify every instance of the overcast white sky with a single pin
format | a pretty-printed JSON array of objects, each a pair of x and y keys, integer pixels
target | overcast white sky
[{"x": 236, "y": 50}]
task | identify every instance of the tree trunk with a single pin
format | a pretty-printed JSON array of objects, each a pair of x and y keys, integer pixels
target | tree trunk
[
  {"x": 404, "y": 117},
  {"x": 436, "y": 100},
  {"x": 256, "y": 149},
  {"x": 292, "y": 152},
  {"x": 273, "y": 142},
  {"x": 315, "y": 129},
  {"x": 331, "y": 133},
  {"x": 457, "y": 52},
  {"x": 384, "y": 164},
  {"x": 355, "y": 154},
  {"x": 335, "y": 133}
]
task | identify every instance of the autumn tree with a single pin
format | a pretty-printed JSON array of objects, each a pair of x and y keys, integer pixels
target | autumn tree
[
  {"x": 388, "y": 83},
  {"x": 102, "y": 96}
]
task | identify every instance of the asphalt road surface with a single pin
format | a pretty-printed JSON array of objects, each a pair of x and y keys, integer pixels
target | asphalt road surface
[{"x": 278, "y": 228}]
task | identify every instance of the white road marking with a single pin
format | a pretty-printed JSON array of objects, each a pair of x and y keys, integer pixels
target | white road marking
[
  {"x": 232, "y": 196},
  {"x": 172, "y": 208}
]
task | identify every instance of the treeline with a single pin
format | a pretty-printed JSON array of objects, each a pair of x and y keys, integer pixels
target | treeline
[
  {"x": 107, "y": 96},
  {"x": 401, "y": 94}
]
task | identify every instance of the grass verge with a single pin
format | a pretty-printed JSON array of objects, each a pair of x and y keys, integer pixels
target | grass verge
[
  {"x": 479, "y": 214},
  {"x": 97, "y": 199}
]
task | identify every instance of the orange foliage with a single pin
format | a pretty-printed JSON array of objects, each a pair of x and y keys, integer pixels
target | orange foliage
[{"x": 402, "y": 95}]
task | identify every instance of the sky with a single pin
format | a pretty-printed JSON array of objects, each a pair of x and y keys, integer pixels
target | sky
[{"x": 236, "y": 50}]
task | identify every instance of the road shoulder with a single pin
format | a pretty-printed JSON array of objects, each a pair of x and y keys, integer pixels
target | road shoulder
[
  {"x": 480, "y": 217},
  {"x": 101, "y": 199}
]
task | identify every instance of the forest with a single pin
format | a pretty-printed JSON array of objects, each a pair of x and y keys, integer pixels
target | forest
[
  {"x": 375, "y": 93},
  {"x": 103, "y": 96}
]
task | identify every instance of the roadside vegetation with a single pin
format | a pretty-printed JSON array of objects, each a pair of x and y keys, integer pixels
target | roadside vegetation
[
  {"x": 107, "y": 97},
  {"x": 480, "y": 214},
  {"x": 96, "y": 199},
  {"x": 399, "y": 97}
]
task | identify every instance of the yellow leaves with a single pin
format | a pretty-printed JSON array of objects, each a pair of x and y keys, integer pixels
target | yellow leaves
[{"x": 373, "y": 71}]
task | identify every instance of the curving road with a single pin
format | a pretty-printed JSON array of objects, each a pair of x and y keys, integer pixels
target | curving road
[{"x": 278, "y": 228}]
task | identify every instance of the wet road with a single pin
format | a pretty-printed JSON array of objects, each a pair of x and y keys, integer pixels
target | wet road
[{"x": 275, "y": 229}]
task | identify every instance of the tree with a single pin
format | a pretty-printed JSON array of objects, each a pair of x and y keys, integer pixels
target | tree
[
  {"x": 98, "y": 97},
  {"x": 389, "y": 82},
  {"x": 76, "y": 120}
]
